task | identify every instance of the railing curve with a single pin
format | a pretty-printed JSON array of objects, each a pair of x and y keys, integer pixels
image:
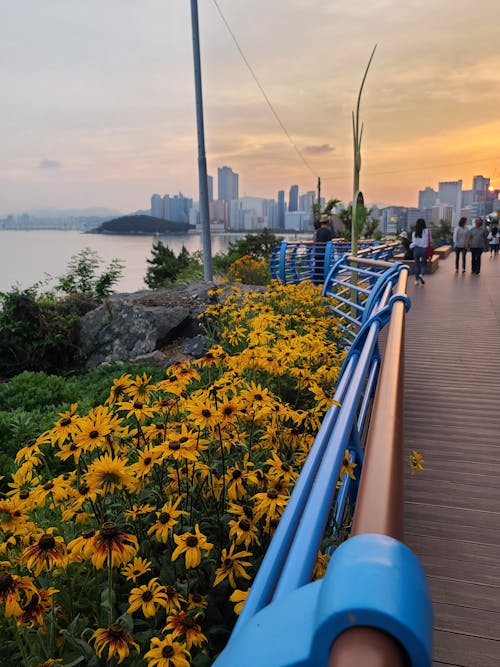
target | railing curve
[{"x": 374, "y": 589}]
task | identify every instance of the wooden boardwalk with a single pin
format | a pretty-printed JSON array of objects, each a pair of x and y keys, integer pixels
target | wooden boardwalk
[{"x": 452, "y": 416}]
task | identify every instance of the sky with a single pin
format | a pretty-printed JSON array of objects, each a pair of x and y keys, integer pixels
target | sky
[{"x": 98, "y": 103}]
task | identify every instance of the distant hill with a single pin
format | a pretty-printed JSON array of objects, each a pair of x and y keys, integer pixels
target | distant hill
[
  {"x": 141, "y": 224},
  {"x": 93, "y": 212}
]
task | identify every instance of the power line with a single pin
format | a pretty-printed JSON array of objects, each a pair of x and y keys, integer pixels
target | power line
[{"x": 269, "y": 103}]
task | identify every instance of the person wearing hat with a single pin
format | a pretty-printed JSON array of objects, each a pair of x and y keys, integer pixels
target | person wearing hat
[{"x": 405, "y": 242}]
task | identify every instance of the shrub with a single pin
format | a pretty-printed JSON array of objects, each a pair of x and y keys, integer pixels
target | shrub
[
  {"x": 81, "y": 279},
  {"x": 165, "y": 267},
  {"x": 249, "y": 271}
]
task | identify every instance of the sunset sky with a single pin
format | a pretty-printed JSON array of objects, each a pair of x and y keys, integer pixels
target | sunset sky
[{"x": 98, "y": 97}]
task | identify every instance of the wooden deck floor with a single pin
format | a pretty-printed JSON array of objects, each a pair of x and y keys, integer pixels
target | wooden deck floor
[{"x": 452, "y": 416}]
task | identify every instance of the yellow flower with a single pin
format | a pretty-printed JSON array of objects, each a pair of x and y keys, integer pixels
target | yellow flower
[
  {"x": 136, "y": 569},
  {"x": 232, "y": 566},
  {"x": 202, "y": 414},
  {"x": 271, "y": 502},
  {"x": 36, "y": 607},
  {"x": 187, "y": 627},
  {"x": 321, "y": 565},
  {"x": 113, "y": 547},
  {"x": 140, "y": 388},
  {"x": 243, "y": 531},
  {"x": 119, "y": 388},
  {"x": 48, "y": 553},
  {"x": 82, "y": 548},
  {"x": 280, "y": 470},
  {"x": 15, "y": 591},
  {"x": 115, "y": 640},
  {"x": 167, "y": 653},
  {"x": 66, "y": 426},
  {"x": 347, "y": 467},
  {"x": 191, "y": 544},
  {"x": 109, "y": 473},
  {"x": 166, "y": 520},
  {"x": 93, "y": 429},
  {"x": 148, "y": 598},
  {"x": 416, "y": 462},
  {"x": 240, "y": 598},
  {"x": 12, "y": 516}
]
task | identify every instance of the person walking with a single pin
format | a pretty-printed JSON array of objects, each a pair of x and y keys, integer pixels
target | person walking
[
  {"x": 493, "y": 240},
  {"x": 478, "y": 243},
  {"x": 461, "y": 240},
  {"x": 420, "y": 240}
]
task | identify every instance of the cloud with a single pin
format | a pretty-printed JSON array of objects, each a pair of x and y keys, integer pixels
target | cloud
[
  {"x": 317, "y": 150},
  {"x": 49, "y": 164}
]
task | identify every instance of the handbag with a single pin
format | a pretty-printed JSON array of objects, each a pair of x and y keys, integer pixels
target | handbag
[{"x": 430, "y": 247}]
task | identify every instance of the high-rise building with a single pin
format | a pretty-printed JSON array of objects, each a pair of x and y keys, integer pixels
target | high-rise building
[
  {"x": 281, "y": 209},
  {"x": 426, "y": 198},
  {"x": 293, "y": 199},
  {"x": 450, "y": 192},
  {"x": 156, "y": 206},
  {"x": 210, "y": 186},
  {"x": 227, "y": 184}
]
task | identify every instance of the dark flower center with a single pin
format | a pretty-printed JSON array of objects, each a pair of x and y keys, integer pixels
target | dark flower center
[
  {"x": 24, "y": 494},
  {"x": 88, "y": 534},
  {"x": 189, "y": 622},
  {"x": 228, "y": 410},
  {"x": 248, "y": 511},
  {"x": 236, "y": 474},
  {"x": 206, "y": 413},
  {"x": 83, "y": 489},
  {"x": 6, "y": 581},
  {"x": 244, "y": 524},
  {"x": 46, "y": 543},
  {"x": 192, "y": 541},
  {"x": 258, "y": 397},
  {"x": 174, "y": 445},
  {"x": 147, "y": 596},
  {"x": 65, "y": 422},
  {"x": 167, "y": 652},
  {"x": 345, "y": 463},
  {"x": 183, "y": 439},
  {"x": 196, "y": 597},
  {"x": 109, "y": 530},
  {"x": 48, "y": 486},
  {"x": 285, "y": 467},
  {"x": 137, "y": 405},
  {"x": 93, "y": 434},
  {"x": 164, "y": 517},
  {"x": 227, "y": 562},
  {"x": 116, "y": 631},
  {"x": 272, "y": 494},
  {"x": 147, "y": 460},
  {"x": 73, "y": 447}
]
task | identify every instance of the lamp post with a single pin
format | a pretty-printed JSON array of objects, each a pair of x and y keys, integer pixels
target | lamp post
[{"x": 202, "y": 162}]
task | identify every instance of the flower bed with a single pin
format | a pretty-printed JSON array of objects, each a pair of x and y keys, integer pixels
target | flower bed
[{"x": 144, "y": 549}]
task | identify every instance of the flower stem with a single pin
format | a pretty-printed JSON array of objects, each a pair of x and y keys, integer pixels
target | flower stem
[{"x": 20, "y": 644}]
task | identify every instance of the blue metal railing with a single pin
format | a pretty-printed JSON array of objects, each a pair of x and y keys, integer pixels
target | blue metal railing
[
  {"x": 288, "y": 618},
  {"x": 293, "y": 262}
]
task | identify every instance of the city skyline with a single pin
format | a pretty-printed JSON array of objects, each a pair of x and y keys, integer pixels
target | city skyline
[{"x": 88, "y": 121}]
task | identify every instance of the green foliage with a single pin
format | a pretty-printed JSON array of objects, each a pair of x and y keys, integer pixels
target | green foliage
[
  {"x": 165, "y": 268},
  {"x": 81, "y": 277},
  {"x": 36, "y": 333},
  {"x": 330, "y": 205},
  {"x": 365, "y": 223},
  {"x": 442, "y": 231},
  {"x": 258, "y": 246}
]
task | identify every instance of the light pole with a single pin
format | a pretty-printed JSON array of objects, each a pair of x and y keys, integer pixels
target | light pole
[{"x": 202, "y": 161}]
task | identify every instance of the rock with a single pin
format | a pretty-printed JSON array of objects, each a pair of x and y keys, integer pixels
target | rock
[
  {"x": 195, "y": 347},
  {"x": 155, "y": 358}
]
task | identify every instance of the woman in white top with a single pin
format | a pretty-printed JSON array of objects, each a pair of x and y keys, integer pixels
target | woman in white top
[
  {"x": 493, "y": 240},
  {"x": 461, "y": 238},
  {"x": 419, "y": 241}
]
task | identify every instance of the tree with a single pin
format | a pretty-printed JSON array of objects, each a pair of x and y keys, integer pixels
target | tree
[
  {"x": 165, "y": 267},
  {"x": 364, "y": 223},
  {"x": 330, "y": 205},
  {"x": 81, "y": 279}
]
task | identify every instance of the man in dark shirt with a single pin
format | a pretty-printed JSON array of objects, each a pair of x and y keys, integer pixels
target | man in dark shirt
[{"x": 322, "y": 236}]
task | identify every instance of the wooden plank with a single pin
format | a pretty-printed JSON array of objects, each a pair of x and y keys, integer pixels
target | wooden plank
[
  {"x": 467, "y": 621},
  {"x": 462, "y": 569},
  {"x": 465, "y": 651},
  {"x": 475, "y": 596}
]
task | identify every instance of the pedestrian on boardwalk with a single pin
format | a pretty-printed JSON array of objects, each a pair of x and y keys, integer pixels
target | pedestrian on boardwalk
[
  {"x": 420, "y": 240},
  {"x": 461, "y": 239},
  {"x": 478, "y": 243},
  {"x": 493, "y": 240},
  {"x": 322, "y": 236},
  {"x": 405, "y": 243}
]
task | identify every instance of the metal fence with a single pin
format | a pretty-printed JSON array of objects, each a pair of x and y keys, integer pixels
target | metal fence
[{"x": 372, "y": 607}]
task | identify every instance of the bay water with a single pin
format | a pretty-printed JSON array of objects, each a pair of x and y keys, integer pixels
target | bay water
[{"x": 28, "y": 257}]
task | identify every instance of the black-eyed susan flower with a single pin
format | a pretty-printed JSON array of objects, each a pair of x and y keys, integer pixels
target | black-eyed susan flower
[
  {"x": 135, "y": 569},
  {"x": 66, "y": 426},
  {"x": 48, "y": 553},
  {"x": 108, "y": 473},
  {"x": 140, "y": 387},
  {"x": 15, "y": 591},
  {"x": 112, "y": 546},
  {"x": 82, "y": 547},
  {"x": 321, "y": 564},
  {"x": 166, "y": 520},
  {"x": 36, "y": 608},
  {"x": 93, "y": 429},
  {"x": 148, "y": 598},
  {"x": 347, "y": 467},
  {"x": 174, "y": 599},
  {"x": 243, "y": 531},
  {"x": 12, "y": 515},
  {"x": 280, "y": 470},
  {"x": 202, "y": 414},
  {"x": 197, "y": 601},
  {"x": 239, "y": 598},
  {"x": 232, "y": 566},
  {"x": 114, "y": 642},
  {"x": 416, "y": 462},
  {"x": 270, "y": 503},
  {"x": 119, "y": 388},
  {"x": 186, "y": 627},
  {"x": 167, "y": 653},
  {"x": 192, "y": 545}
]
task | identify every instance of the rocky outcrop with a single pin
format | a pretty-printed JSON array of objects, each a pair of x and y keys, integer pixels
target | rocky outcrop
[
  {"x": 142, "y": 326},
  {"x": 135, "y": 326}
]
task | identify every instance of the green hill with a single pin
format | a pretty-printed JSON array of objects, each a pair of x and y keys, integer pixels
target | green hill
[{"x": 141, "y": 224}]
